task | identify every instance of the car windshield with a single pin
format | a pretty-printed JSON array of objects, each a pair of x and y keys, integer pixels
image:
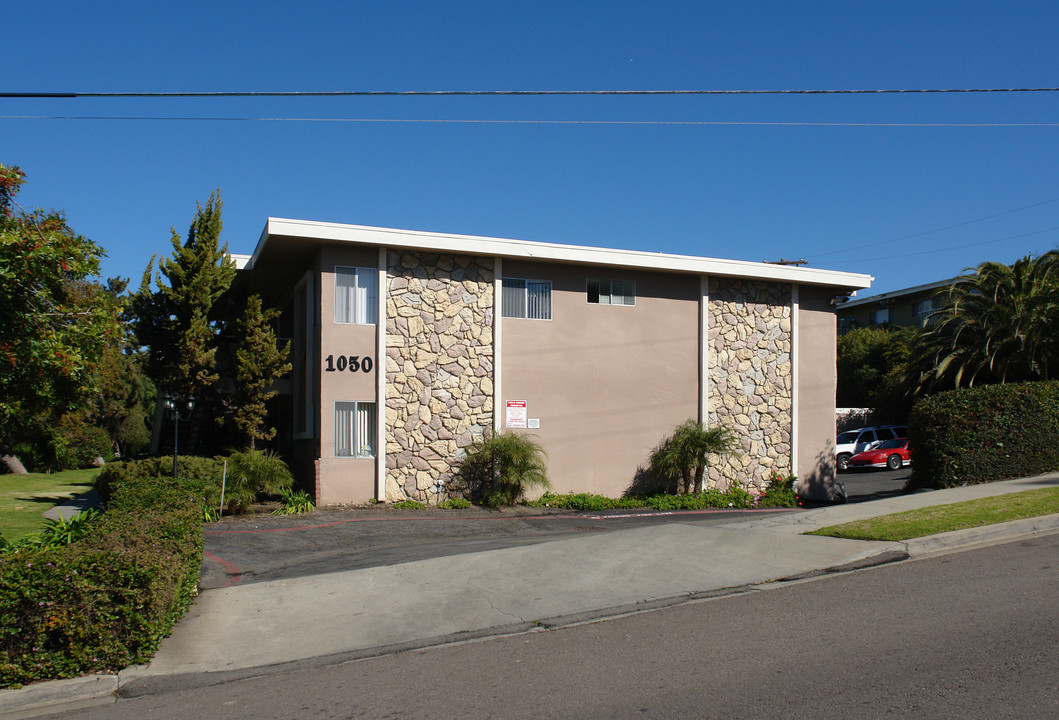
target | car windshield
[
  {"x": 848, "y": 437},
  {"x": 890, "y": 444}
]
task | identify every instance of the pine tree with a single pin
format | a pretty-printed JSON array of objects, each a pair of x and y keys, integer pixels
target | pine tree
[
  {"x": 178, "y": 320},
  {"x": 260, "y": 363}
]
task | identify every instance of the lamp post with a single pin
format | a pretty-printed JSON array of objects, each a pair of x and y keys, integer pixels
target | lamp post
[{"x": 179, "y": 408}]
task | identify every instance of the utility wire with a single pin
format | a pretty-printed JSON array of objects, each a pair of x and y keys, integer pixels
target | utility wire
[
  {"x": 530, "y": 122},
  {"x": 937, "y": 230},
  {"x": 946, "y": 249},
  {"x": 434, "y": 93}
]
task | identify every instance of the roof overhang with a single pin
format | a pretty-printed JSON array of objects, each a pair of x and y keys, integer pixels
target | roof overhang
[{"x": 290, "y": 242}]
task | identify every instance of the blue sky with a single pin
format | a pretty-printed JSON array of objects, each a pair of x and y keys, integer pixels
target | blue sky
[{"x": 862, "y": 183}]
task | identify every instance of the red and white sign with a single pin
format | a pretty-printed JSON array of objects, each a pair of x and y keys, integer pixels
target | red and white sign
[{"x": 516, "y": 414}]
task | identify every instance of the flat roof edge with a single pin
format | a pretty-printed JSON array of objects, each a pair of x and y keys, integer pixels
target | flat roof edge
[{"x": 534, "y": 250}]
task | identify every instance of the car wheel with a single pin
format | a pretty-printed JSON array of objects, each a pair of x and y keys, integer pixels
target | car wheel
[
  {"x": 843, "y": 461},
  {"x": 894, "y": 462}
]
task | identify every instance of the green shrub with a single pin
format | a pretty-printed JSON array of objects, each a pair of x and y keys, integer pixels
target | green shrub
[
  {"x": 681, "y": 459},
  {"x": 295, "y": 502},
  {"x": 712, "y": 498},
  {"x": 251, "y": 475},
  {"x": 982, "y": 434},
  {"x": 199, "y": 471},
  {"x": 409, "y": 505},
  {"x": 500, "y": 469},
  {"x": 456, "y": 503},
  {"x": 106, "y": 600},
  {"x": 779, "y": 492}
]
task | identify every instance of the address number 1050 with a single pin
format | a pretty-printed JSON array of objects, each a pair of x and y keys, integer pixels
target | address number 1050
[{"x": 352, "y": 363}]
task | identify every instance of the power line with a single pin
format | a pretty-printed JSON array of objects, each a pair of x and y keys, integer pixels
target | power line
[
  {"x": 937, "y": 230},
  {"x": 436, "y": 93},
  {"x": 748, "y": 123},
  {"x": 954, "y": 247}
]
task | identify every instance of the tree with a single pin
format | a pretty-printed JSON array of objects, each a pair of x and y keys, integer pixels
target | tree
[
  {"x": 684, "y": 454},
  {"x": 260, "y": 363},
  {"x": 997, "y": 325},
  {"x": 178, "y": 320},
  {"x": 871, "y": 366},
  {"x": 54, "y": 322}
]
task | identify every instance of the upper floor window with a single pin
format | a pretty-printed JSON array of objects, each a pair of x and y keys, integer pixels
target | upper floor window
[
  {"x": 879, "y": 317},
  {"x": 924, "y": 308},
  {"x": 356, "y": 295},
  {"x": 530, "y": 299},
  {"x": 611, "y": 292}
]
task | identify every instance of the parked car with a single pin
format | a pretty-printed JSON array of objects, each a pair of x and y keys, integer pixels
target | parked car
[
  {"x": 893, "y": 454},
  {"x": 856, "y": 441}
]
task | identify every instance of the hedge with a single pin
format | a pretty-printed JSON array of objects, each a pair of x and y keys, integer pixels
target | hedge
[
  {"x": 984, "y": 434},
  {"x": 106, "y": 601}
]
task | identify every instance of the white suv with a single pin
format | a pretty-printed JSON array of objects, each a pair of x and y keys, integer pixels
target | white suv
[{"x": 852, "y": 442}]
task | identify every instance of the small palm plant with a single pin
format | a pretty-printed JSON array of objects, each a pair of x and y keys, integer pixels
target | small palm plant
[
  {"x": 499, "y": 469},
  {"x": 684, "y": 455},
  {"x": 251, "y": 474}
]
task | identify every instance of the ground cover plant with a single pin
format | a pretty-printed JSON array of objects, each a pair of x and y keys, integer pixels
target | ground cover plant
[
  {"x": 945, "y": 518},
  {"x": 24, "y": 498},
  {"x": 779, "y": 493}
]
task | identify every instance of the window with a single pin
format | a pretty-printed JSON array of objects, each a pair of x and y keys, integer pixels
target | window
[
  {"x": 611, "y": 292},
  {"x": 530, "y": 299},
  {"x": 355, "y": 429},
  {"x": 356, "y": 295},
  {"x": 924, "y": 308},
  {"x": 880, "y": 316}
]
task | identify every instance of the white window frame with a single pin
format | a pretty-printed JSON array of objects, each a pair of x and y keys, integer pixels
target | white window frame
[
  {"x": 355, "y": 429},
  {"x": 535, "y": 302},
  {"x": 626, "y": 298},
  {"x": 356, "y": 302}
]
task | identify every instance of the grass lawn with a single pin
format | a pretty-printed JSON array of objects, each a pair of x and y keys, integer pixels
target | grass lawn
[
  {"x": 943, "y": 518},
  {"x": 24, "y": 498}
]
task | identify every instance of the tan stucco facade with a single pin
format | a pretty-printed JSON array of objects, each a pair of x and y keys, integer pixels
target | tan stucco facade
[
  {"x": 605, "y": 382},
  {"x": 748, "y": 345}
]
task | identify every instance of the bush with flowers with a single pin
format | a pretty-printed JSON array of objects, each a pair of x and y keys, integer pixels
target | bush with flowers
[{"x": 106, "y": 600}]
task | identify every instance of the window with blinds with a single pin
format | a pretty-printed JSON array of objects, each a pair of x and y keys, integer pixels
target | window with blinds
[
  {"x": 530, "y": 299},
  {"x": 356, "y": 295},
  {"x": 355, "y": 429}
]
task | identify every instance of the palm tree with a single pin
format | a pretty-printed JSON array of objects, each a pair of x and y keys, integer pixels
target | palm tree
[
  {"x": 996, "y": 326},
  {"x": 685, "y": 453},
  {"x": 499, "y": 469}
]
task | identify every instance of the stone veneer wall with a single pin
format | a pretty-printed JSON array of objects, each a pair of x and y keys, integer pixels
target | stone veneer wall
[
  {"x": 439, "y": 367},
  {"x": 750, "y": 377}
]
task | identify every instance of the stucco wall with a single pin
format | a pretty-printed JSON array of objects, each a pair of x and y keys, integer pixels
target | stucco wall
[
  {"x": 751, "y": 384},
  {"x": 816, "y": 393},
  {"x": 439, "y": 367},
  {"x": 606, "y": 382},
  {"x": 342, "y": 479}
]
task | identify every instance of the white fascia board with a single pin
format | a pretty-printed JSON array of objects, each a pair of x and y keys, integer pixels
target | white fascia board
[
  {"x": 241, "y": 261},
  {"x": 506, "y": 248}
]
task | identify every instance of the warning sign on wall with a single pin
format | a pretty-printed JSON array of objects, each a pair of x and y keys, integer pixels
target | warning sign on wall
[{"x": 516, "y": 414}]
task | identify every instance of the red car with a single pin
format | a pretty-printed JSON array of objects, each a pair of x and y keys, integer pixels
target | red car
[{"x": 892, "y": 454}]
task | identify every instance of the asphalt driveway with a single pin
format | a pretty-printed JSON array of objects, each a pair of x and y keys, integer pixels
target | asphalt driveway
[{"x": 265, "y": 547}]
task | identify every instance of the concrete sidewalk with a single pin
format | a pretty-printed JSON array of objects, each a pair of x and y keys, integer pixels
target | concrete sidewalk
[{"x": 325, "y": 619}]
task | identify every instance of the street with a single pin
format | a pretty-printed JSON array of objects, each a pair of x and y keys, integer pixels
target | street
[{"x": 966, "y": 635}]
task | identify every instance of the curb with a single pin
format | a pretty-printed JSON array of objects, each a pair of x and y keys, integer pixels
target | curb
[
  {"x": 55, "y": 696},
  {"x": 960, "y": 539}
]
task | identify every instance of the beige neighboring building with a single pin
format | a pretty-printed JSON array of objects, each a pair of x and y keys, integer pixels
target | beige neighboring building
[{"x": 407, "y": 345}]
